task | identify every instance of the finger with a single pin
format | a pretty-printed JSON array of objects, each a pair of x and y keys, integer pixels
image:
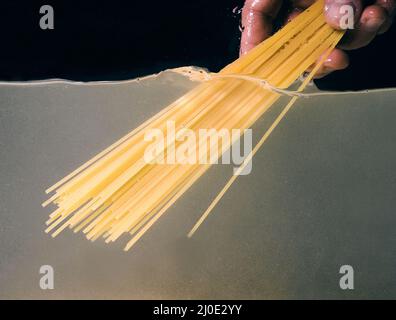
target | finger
[
  {"x": 389, "y": 6},
  {"x": 257, "y": 18},
  {"x": 337, "y": 60},
  {"x": 372, "y": 20},
  {"x": 334, "y": 13}
]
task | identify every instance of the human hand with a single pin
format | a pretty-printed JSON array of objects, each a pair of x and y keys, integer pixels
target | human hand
[{"x": 258, "y": 17}]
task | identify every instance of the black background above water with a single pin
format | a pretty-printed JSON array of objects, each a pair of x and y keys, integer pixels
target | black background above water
[{"x": 112, "y": 40}]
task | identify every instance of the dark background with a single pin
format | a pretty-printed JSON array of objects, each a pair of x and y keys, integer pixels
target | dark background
[{"x": 114, "y": 40}]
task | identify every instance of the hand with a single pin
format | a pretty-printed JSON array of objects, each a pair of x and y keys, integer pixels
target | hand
[{"x": 370, "y": 20}]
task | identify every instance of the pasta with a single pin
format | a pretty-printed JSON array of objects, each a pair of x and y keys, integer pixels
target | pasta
[{"x": 117, "y": 192}]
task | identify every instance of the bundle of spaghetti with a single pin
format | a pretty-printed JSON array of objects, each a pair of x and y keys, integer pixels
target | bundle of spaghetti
[{"x": 117, "y": 192}]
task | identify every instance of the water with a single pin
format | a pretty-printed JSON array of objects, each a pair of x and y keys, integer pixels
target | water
[{"x": 321, "y": 195}]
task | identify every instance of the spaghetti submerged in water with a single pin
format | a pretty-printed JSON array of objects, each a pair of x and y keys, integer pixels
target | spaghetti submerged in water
[{"x": 117, "y": 192}]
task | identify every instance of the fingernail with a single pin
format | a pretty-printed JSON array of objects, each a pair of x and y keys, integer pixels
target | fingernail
[
  {"x": 373, "y": 24},
  {"x": 337, "y": 9},
  {"x": 328, "y": 62},
  {"x": 373, "y": 18}
]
